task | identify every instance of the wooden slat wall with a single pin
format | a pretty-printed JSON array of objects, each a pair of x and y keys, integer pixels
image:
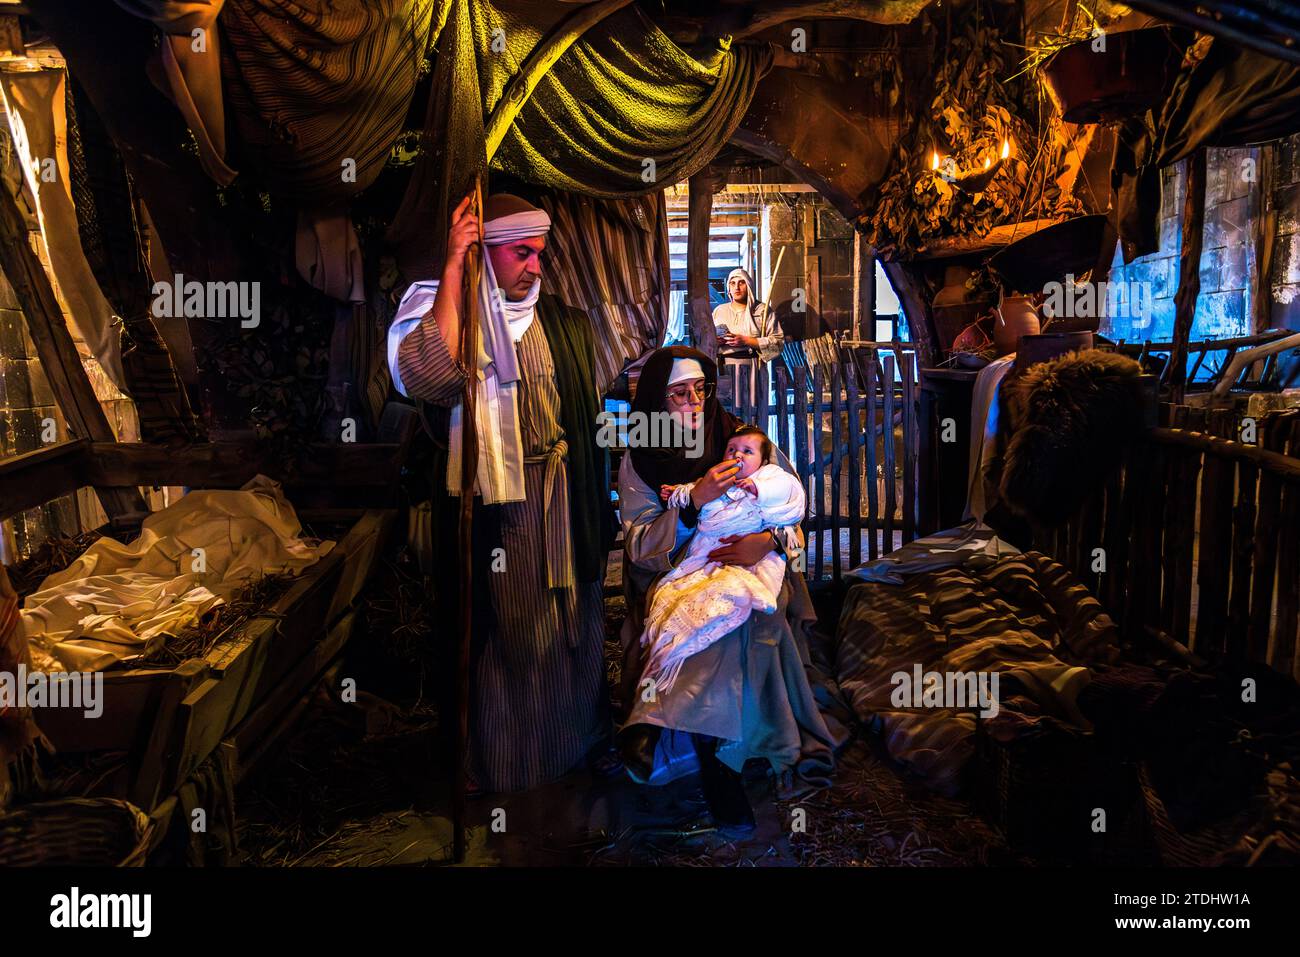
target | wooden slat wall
[{"x": 1199, "y": 536}]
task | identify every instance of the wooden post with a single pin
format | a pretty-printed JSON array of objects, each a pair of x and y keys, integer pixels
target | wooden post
[
  {"x": 1189, "y": 273},
  {"x": 699, "y": 213},
  {"x": 55, "y": 348},
  {"x": 916, "y": 305},
  {"x": 1264, "y": 233},
  {"x": 864, "y": 288},
  {"x": 468, "y": 474}
]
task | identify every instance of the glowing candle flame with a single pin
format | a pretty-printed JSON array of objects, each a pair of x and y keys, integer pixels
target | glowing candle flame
[
  {"x": 934, "y": 160},
  {"x": 1006, "y": 149},
  {"x": 986, "y": 162}
]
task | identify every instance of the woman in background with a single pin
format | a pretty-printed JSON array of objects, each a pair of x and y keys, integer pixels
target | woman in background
[{"x": 749, "y": 329}]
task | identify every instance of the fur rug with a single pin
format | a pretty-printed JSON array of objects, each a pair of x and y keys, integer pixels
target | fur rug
[{"x": 1070, "y": 422}]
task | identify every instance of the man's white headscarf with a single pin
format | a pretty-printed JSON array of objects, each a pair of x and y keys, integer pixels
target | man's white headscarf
[{"x": 502, "y": 323}]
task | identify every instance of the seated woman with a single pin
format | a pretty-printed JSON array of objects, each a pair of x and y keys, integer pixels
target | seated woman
[{"x": 746, "y": 695}]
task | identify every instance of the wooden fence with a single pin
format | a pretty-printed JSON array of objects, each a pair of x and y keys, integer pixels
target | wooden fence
[
  {"x": 851, "y": 429},
  {"x": 1197, "y": 539}
]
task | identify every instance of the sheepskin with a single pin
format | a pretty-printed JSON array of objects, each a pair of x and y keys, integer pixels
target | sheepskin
[{"x": 1071, "y": 421}]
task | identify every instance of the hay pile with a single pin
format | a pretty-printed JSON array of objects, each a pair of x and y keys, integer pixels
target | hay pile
[
  {"x": 53, "y": 555},
  {"x": 220, "y": 624},
  {"x": 875, "y": 817}
]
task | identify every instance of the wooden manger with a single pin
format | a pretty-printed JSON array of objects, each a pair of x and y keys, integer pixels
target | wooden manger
[{"x": 245, "y": 689}]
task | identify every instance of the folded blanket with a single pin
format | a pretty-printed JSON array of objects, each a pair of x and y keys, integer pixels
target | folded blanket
[{"x": 1023, "y": 617}]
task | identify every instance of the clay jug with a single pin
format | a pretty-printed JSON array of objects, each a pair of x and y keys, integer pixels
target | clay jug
[{"x": 1014, "y": 317}]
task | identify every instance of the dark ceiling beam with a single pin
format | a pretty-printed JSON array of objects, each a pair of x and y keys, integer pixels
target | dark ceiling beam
[
  {"x": 1267, "y": 28},
  {"x": 780, "y": 155},
  {"x": 768, "y": 15}
]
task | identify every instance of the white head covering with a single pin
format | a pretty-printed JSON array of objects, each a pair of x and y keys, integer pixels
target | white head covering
[
  {"x": 522, "y": 225},
  {"x": 685, "y": 370},
  {"x": 749, "y": 285},
  {"x": 503, "y": 323},
  {"x": 751, "y": 300}
]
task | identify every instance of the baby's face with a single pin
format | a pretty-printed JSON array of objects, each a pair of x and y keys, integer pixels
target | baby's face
[{"x": 748, "y": 451}]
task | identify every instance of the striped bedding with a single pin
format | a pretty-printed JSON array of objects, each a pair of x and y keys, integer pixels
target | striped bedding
[{"x": 1024, "y": 616}]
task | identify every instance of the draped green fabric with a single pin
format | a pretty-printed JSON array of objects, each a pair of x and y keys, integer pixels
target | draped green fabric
[
  {"x": 624, "y": 111},
  {"x": 568, "y": 333},
  {"x": 623, "y": 94}
]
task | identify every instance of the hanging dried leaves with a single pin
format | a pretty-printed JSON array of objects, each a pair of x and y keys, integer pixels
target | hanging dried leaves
[{"x": 974, "y": 108}]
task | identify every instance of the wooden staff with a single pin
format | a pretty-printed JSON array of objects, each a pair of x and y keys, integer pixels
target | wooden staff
[{"x": 468, "y": 472}]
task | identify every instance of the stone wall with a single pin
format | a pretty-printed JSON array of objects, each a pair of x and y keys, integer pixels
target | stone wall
[{"x": 1234, "y": 201}]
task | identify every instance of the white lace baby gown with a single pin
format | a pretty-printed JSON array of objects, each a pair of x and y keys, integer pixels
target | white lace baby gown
[{"x": 700, "y": 601}]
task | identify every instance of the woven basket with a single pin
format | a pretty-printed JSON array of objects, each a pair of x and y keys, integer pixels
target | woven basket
[
  {"x": 1028, "y": 786},
  {"x": 82, "y": 832},
  {"x": 1192, "y": 849}
]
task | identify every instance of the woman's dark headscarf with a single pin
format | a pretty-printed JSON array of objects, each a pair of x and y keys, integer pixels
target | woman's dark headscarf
[{"x": 672, "y": 466}]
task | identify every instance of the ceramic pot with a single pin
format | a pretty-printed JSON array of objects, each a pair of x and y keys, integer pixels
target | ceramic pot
[{"x": 1014, "y": 317}]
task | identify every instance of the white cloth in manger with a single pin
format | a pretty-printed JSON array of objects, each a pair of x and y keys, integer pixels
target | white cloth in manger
[{"x": 116, "y": 602}]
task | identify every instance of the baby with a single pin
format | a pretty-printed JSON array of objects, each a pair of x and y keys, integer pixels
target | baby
[{"x": 700, "y": 600}]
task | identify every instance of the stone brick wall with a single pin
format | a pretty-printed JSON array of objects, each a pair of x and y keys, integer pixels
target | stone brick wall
[
  {"x": 1234, "y": 198},
  {"x": 818, "y": 245}
]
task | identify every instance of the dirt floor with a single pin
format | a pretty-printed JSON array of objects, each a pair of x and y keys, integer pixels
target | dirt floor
[{"x": 362, "y": 784}]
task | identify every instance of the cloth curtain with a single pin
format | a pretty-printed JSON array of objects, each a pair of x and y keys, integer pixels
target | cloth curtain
[
  {"x": 676, "y": 331},
  {"x": 112, "y": 231},
  {"x": 609, "y": 258},
  {"x": 188, "y": 70},
  {"x": 36, "y": 106},
  {"x": 624, "y": 112},
  {"x": 1232, "y": 97},
  {"x": 317, "y": 91}
]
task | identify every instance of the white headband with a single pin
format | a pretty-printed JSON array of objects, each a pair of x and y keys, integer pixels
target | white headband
[
  {"x": 685, "y": 370},
  {"x": 516, "y": 226}
]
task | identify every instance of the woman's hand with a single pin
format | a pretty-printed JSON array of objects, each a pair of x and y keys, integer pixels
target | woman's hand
[
  {"x": 715, "y": 481},
  {"x": 742, "y": 549},
  {"x": 736, "y": 339}
]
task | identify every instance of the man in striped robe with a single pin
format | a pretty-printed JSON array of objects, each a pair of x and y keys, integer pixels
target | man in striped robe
[{"x": 542, "y": 528}]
